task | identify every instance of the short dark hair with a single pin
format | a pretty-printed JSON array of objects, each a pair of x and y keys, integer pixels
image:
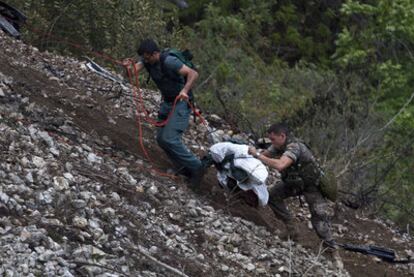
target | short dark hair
[
  {"x": 148, "y": 46},
  {"x": 278, "y": 128}
]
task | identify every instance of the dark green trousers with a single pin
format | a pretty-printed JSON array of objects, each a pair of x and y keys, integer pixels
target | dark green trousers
[{"x": 318, "y": 205}]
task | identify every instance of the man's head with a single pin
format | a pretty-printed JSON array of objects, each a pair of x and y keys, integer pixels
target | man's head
[
  {"x": 148, "y": 49},
  {"x": 278, "y": 134}
]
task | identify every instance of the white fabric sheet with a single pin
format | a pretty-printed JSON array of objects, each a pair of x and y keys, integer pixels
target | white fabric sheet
[{"x": 256, "y": 169}]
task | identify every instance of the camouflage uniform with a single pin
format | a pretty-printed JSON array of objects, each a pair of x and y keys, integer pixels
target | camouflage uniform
[{"x": 301, "y": 178}]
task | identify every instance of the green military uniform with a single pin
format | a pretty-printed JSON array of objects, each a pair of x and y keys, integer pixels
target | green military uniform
[{"x": 301, "y": 178}]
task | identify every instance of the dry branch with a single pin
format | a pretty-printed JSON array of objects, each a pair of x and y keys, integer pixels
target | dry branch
[{"x": 141, "y": 250}]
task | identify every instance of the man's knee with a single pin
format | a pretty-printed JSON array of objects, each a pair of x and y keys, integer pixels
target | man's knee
[
  {"x": 277, "y": 191},
  {"x": 160, "y": 139},
  {"x": 163, "y": 140},
  {"x": 279, "y": 208},
  {"x": 322, "y": 210}
]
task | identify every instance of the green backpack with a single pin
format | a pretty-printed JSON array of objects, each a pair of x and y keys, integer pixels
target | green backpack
[
  {"x": 184, "y": 56},
  {"x": 328, "y": 185}
]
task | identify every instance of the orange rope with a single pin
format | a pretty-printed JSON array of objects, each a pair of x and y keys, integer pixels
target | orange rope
[{"x": 137, "y": 95}]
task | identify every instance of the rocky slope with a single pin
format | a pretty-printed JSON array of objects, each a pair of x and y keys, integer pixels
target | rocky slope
[{"x": 78, "y": 199}]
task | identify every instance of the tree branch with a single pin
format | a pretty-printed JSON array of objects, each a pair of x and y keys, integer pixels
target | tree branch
[{"x": 141, "y": 250}]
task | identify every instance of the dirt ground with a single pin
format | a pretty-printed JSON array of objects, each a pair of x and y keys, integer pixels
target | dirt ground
[{"x": 92, "y": 117}]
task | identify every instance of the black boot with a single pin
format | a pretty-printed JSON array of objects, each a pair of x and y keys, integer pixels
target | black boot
[
  {"x": 183, "y": 171},
  {"x": 197, "y": 176},
  {"x": 330, "y": 244}
]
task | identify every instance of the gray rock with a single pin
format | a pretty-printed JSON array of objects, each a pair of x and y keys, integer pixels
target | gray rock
[
  {"x": 80, "y": 222},
  {"x": 224, "y": 268},
  {"x": 92, "y": 158},
  {"x": 45, "y": 197},
  {"x": 54, "y": 151},
  {"x": 29, "y": 177},
  {"x": 200, "y": 257},
  {"x": 86, "y": 195},
  {"x": 86, "y": 148},
  {"x": 115, "y": 197},
  {"x": 46, "y": 256},
  {"x": 193, "y": 213},
  {"x": 153, "y": 250},
  {"x": 60, "y": 183},
  {"x": 79, "y": 203},
  {"x": 109, "y": 212},
  {"x": 68, "y": 175},
  {"x": 94, "y": 224},
  {"x": 124, "y": 173},
  {"x": 38, "y": 162},
  {"x": 4, "y": 198},
  {"x": 250, "y": 267},
  {"x": 68, "y": 167},
  {"x": 16, "y": 179},
  {"x": 84, "y": 253},
  {"x": 67, "y": 273},
  {"x": 172, "y": 229},
  {"x": 46, "y": 138},
  {"x": 25, "y": 162}
]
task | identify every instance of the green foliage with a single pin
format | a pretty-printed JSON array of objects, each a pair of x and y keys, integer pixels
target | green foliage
[
  {"x": 377, "y": 43},
  {"x": 238, "y": 84},
  {"x": 292, "y": 30},
  {"x": 111, "y": 26}
]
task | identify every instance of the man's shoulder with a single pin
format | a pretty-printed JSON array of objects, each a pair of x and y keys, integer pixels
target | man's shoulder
[
  {"x": 302, "y": 150},
  {"x": 297, "y": 143},
  {"x": 293, "y": 145},
  {"x": 293, "y": 150},
  {"x": 172, "y": 62}
]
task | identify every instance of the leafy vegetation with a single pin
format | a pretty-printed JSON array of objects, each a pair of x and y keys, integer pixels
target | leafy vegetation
[
  {"x": 340, "y": 72},
  {"x": 376, "y": 42},
  {"x": 111, "y": 26}
]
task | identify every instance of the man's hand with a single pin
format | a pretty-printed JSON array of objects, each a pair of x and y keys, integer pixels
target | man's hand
[
  {"x": 128, "y": 62},
  {"x": 191, "y": 76},
  {"x": 183, "y": 95},
  {"x": 253, "y": 151}
]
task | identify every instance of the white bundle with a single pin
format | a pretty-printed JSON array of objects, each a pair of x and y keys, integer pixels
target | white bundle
[{"x": 242, "y": 159}]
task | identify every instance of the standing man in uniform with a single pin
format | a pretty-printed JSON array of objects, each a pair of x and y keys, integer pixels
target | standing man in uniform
[
  {"x": 300, "y": 176},
  {"x": 175, "y": 80}
]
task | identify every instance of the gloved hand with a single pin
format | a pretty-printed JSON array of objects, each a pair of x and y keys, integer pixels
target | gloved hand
[{"x": 207, "y": 161}]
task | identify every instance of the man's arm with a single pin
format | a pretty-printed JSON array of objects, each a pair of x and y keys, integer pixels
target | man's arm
[
  {"x": 139, "y": 66},
  {"x": 266, "y": 153},
  {"x": 279, "y": 164},
  {"x": 191, "y": 76}
]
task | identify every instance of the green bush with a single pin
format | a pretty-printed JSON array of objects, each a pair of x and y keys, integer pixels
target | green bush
[{"x": 114, "y": 27}]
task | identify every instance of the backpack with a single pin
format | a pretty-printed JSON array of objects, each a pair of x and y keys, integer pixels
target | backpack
[
  {"x": 325, "y": 179},
  {"x": 328, "y": 185},
  {"x": 184, "y": 56}
]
